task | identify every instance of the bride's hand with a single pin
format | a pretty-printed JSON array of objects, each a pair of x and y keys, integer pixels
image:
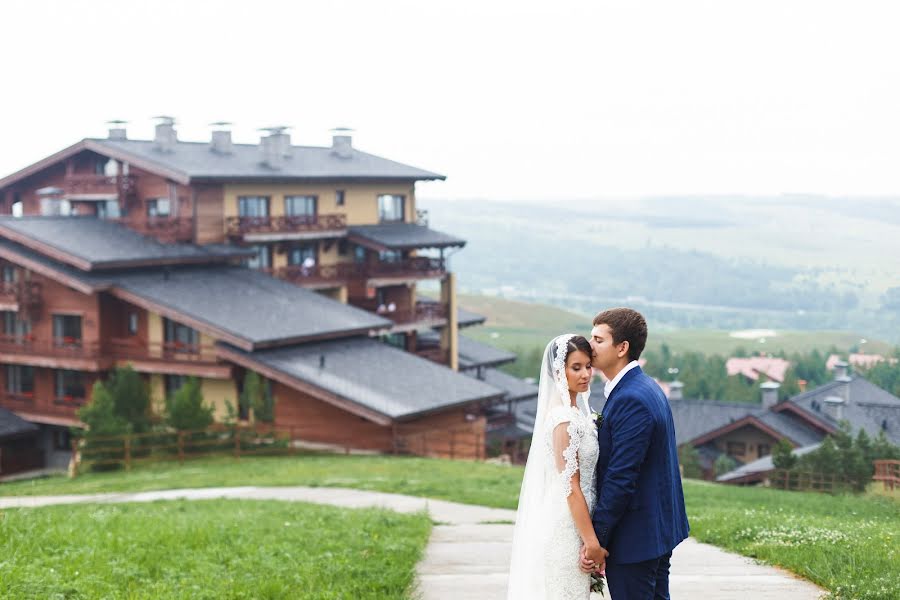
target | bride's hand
[{"x": 593, "y": 558}]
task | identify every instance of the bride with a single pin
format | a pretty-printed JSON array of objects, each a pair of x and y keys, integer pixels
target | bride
[{"x": 553, "y": 521}]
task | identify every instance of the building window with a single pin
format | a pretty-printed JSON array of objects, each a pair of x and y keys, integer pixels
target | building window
[
  {"x": 763, "y": 450},
  {"x": 61, "y": 439},
  {"x": 302, "y": 255},
  {"x": 300, "y": 206},
  {"x": 390, "y": 208},
  {"x": 67, "y": 330},
  {"x": 14, "y": 328},
  {"x": 10, "y": 274},
  {"x": 132, "y": 323},
  {"x": 263, "y": 258},
  {"x": 158, "y": 207},
  {"x": 390, "y": 256},
  {"x": 339, "y": 198},
  {"x": 397, "y": 340},
  {"x": 69, "y": 386},
  {"x": 359, "y": 254},
  {"x": 180, "y": 338},
  {"x": 736, "y": 448},
  {"x": 108, "y": 209},
  {"x": 100, "y": 166},
  {"x": 173, "y": 383},
  {"x": 253, "y": 206},
  {"x": 20, "y": 380}
]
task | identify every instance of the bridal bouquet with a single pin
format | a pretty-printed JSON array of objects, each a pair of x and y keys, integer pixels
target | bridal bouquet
[{"x": 598, "y": 583}]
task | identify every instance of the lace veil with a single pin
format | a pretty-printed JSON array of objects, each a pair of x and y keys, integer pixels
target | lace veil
[{"x": 536, "y": 507}]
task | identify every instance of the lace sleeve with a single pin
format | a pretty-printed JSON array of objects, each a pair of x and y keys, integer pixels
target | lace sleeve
[{"x": 565, "y": 439}]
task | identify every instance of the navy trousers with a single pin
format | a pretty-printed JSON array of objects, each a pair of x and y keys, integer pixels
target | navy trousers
[{"x": 648, "y": 580}]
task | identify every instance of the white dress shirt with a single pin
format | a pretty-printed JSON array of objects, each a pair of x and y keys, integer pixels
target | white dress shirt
[{"x": 611, "y": 385}]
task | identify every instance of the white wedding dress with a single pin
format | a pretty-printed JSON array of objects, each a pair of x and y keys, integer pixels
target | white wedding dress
[{"x": 546, "y": 543}]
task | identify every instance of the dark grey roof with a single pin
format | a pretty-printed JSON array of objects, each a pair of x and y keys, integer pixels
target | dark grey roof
[
  {"x": 195, "y": 160},
  {"x": 869, "y": 407},
  {"x": 516, "y": 389},
  {"x": 11, "y": 425},
  {"x": 101, "y": 244},
  {"x": 791, "y": 427},
  {"x": 475, "y": 354},
  {"x": 376, "y": 376},
  {"x": 402, "y": 236},
  {"x": 762, "y": 465},
  {"x": 694, "y": 418},
  {"x": 467, "y": 318},
  {"x": 249, "y": 304}
]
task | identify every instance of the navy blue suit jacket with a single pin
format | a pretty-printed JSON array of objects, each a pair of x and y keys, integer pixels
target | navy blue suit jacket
[{"x": 639, "y": 513}]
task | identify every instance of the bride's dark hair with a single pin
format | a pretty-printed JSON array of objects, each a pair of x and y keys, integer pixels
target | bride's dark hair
[
  {"x": 579, "y": 342},
  {"x": 576, "y": 343}
]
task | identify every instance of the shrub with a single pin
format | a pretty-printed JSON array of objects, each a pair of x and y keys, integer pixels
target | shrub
[{"x": 185, "y": 409}]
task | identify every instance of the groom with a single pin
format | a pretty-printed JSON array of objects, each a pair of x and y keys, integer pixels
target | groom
[{"x": 639, "y": 516}]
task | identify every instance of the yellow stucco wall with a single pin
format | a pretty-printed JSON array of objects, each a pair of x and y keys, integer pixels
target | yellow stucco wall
[
  {"x": 216, "y": 392},
  {"x": 360, "y": 200},
  {"x": 154, "y": 329},
  {"x": 157, "y": 394}
]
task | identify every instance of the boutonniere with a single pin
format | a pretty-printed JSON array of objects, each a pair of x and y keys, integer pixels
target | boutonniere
[{"x": 597, "y": 418}]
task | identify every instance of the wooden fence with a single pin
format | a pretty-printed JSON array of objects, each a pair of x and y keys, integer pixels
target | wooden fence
[
  {"x": 810, "y": 482},
  {"x": 888, "y": 472},
  {"x": 124, "y": 451}
]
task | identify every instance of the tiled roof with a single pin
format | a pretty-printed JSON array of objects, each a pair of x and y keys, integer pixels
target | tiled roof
[
  {"x": 89, "y": 243},
  {"x": 401, "y": 236},
  {"x": 474, "y": 354},
  {"x": 762, "y": 465},
  {"x": 754, "y": 366},
  {"x": 252, "y": 306},
  {"x": 196, "y": 160},
  {"x": 12, "y": 425},
  {"x": 376, "y": 376},
  {"x": 516, "y": 389}
]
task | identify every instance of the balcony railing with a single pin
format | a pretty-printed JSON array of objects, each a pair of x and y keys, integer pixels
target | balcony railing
[
  {"x": 23, "y": 398},
  {"x": 238, "y": 226},
  {"x": 418, "y": 266},
  {"x": 166, "y": 351},
  {"x": 437, "y": 355},
  {"x": 164, "y": 229},
  {"x": 319, "y": 273},
  {"x": 64, "y": 347},
  {"x": 86, "y": 184},
  {"x": 422, "y": 311}
]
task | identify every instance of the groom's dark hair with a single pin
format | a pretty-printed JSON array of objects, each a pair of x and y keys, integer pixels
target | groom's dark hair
[{"x": 627, "y": 325}]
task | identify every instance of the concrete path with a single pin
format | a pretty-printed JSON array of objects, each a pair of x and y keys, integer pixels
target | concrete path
[{"x": 467, "y": 557}]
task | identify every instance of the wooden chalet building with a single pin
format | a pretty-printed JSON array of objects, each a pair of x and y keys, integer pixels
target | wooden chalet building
[{"x": 214, "y": 259}]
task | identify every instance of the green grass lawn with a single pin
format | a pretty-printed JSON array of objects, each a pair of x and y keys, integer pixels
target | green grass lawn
[
  {"x": 469, "y": 482},
  {"x": 835, "y": 541},
  {"x": 208, "y": 549}
]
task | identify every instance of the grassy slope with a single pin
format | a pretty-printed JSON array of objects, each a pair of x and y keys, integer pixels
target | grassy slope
[
  {"x": 525, "y": 325},
  {"x": 208, "y": 549}
]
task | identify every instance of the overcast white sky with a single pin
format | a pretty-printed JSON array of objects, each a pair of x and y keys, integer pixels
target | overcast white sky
[{"x": 509, "y": 99}]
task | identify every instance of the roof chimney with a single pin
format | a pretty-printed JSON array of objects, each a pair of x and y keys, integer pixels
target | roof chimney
[
  {"x": 769, "y": 394},
  {"x": 342, "y": 142},
  {"x": 117, "y": 129},
  {"x": 166, "y": 137},
  {"x": 221, "y": 138},
  {"x": 834, "y": 407},
  {"x": 676, "y": 390},
  {"x": 275, "y": 147},
  {"x": 841, "y": 370}
]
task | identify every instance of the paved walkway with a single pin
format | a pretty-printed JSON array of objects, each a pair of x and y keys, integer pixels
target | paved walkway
[{"x": 467, "y": 556}]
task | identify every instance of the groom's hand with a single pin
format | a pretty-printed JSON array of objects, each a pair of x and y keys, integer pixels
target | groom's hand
[{"x": 593, "y": 559}]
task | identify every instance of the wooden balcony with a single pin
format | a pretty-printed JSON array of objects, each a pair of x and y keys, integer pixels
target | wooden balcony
[
  {"x": 165, "y": 229},
  {"x": 90, "y": 185},
  {"x": 22, "y": 296},
  {"x": 175, "y": 358},
  {"x": 59, "y": 353},
  {"x": 286, "y": 227},
  {"x": 438, "y": 355},
  {"x": 418, "y": 267},
  {"x": 432, "y": 313},
  {"x": 319, "y": 275}
]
